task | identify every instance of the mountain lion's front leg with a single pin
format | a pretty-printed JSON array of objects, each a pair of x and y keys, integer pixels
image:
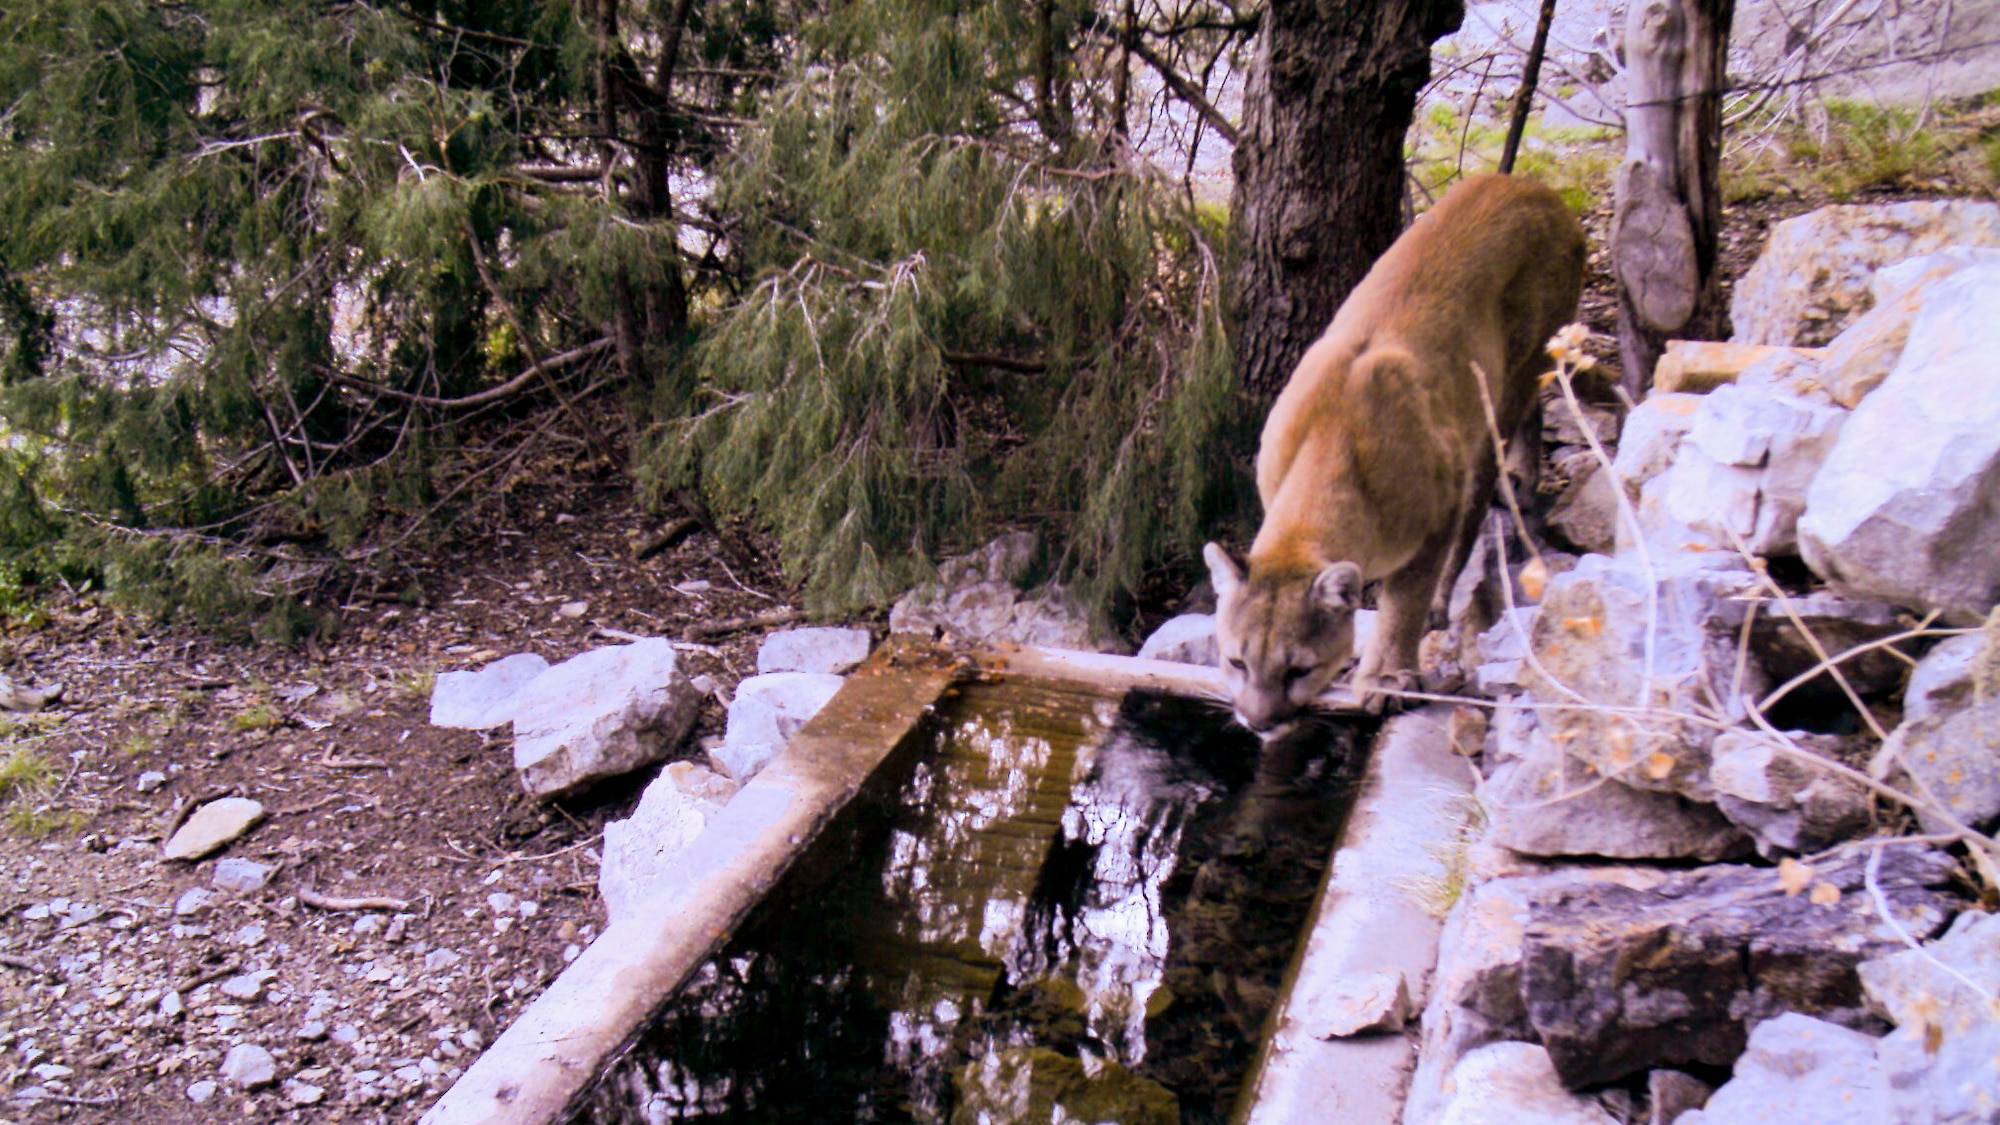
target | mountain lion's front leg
[{"x": 1403, "y": 617}]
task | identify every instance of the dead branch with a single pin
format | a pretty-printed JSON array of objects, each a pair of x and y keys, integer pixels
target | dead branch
[
  {"x": 768, "y": 619},
  {"x": 27, "y": 966},
  {"x": 319, "y": 901},
  {"x": 996, "y": 362},
  {"x": 508, "y": 389},
  {"x": 669, "y": 535}
]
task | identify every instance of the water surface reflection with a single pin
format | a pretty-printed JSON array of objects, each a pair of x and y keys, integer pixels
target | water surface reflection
[{"x": 1072, "y": 909}]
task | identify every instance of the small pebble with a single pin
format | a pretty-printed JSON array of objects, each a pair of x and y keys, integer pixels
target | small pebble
[
  {"x": 345, "y": 1033},
  {"x": 312, "y": 1031},
  {"x": 302, "y": 1093},
  {"x": 193, "y": 900},
  {"x": 248, "y": 1066},
  {"x": 239, "y": 876},
  {"x": 200, "y": 1092},
  {"x": 247, "y": 986},
  {"x": 170, "y": 1005},
  {"x": 149, "y": 781}
]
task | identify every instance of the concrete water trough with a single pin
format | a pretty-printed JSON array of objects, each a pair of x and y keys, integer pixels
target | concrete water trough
[{"x": 1094, "y": 926}]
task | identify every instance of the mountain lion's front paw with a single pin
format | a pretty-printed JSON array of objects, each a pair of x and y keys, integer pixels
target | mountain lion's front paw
[{"x": 1376, "y": 692}]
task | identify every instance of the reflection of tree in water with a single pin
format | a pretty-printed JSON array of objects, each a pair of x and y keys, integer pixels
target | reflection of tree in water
[{"x": 1066, "y": 914}]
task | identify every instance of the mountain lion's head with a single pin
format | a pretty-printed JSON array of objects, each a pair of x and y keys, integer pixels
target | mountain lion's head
[{"x": 1283, "y": 636}]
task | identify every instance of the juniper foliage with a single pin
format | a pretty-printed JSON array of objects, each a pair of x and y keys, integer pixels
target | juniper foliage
[
  {"x": 271, "y": 274},
  {"x": 974, "y": 304}
]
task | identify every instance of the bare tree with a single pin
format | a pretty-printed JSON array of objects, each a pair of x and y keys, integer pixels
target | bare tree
[{"x": 1667, "y": 214}]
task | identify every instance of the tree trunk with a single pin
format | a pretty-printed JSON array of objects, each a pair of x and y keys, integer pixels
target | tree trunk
[
  {"x": 1667, "y": 210},
  {"x": 1319, "y": 167},
  {"x": 649, "y": 309}
]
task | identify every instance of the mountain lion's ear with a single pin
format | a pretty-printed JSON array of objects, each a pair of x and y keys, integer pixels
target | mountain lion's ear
[
  {"x": 1338, "y": 586},
  {"x": 1223, "y": 573}
]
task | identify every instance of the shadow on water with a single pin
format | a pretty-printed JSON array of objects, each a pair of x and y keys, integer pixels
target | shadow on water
[{"x": 1062, "y": 907}]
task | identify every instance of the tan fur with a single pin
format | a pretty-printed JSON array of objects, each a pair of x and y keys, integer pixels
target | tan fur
[{"x": 1377, "y": 462}]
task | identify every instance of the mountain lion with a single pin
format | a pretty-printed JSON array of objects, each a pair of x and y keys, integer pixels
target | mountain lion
[{"x": 1377, "y": 461}]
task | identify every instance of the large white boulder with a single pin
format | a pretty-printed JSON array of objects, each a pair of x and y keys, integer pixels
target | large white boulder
[
  {"x": 485, "y": 698},
  {"x": 1514, "y": 1084},
  {"x": 1801, "y": 1069},
  {"x": 765, "y": 713},
  {"x": 639, "y": 849},
  {"x": 984, "y": 597},
  {"x": 1742, "y": 471},
  {"x": 601, "y": 714},
  {"x": 1866, "y": 351},
  {"x": 1906, "y": 507},
  {"x": 1942, "y": 1062},
  {"x": 1187, "y": 639},
  {"x": 1813, "y": 276},
  {"x": 812, "y": 650},
  {"x": 1950, "y": 734}
]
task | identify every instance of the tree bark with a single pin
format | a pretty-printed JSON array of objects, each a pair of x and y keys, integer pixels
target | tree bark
[
  {"x": 1319, "y": 166},
  {"x": 1524, "y": 98},
  {"x": 651, "y": 308},
  {"x": 1667, "y": 209}
]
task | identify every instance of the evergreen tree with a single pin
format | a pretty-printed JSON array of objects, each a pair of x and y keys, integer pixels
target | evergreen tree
[
  {"x": 974, "y": 303},
  {"x": 261, "y": 264}
]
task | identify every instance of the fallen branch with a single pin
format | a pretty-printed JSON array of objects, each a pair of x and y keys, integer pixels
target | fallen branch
[
  {"x": 770, "y": 618},
  {"x": 27, "y": 966},
  {"x": 319, "y": 901},
  {"x": 669, "y": 535},
  {"x": 492, "y": 394},
  {"x": 330, "y": 762}
]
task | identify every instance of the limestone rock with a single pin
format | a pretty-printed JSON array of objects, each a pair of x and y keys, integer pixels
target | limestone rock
[
  {"x": 765, "y": 714},
  {"x": 1744, "y": 468},
  {"x": 248, "y": 1066},
  {"x": 1867, "y": 350},
  {"x": 601, "y": 714},
  {"x": 675, "y": 808},
  {"x": 1783, "y": 801},
  {"x": 1542, "y": 801},
  {"x": 486, "y": 698},
  {"x": 1939, "y": 986},
  {"x": 1700, "y": 366},
  {"x": 1475, "y": 997},
  {"x": 1652, "y": 435},
  {"x": 1563, "y": 426},
  {"x": 1355, "y": 1004},
  {"x": 1594, "y": 634},
  {"x": 812, "y": 650},
  {"x": 1813, "y": 276},
  {"x": 1943, "y": 1060},
  {"x": 1907, "y": 505},
  {"x": 212, "y": 827},
  {"x": 983, "y": 597},
  {"x": 1838, "y": 623},
  {"x": 1670, "y": 1093},
  {"x": 1799, "y": 1069},
  {"x": 1585, "y": 516},
  {"x": 1950, "y": 734},
  {"x": 1618, "y": 981},
  {"x": 1955, "y": 1078},
  {"x": 1187, "y": 639},
  {"x": 239, "y": 876},
  {"x": 1513, "y": 1084}
]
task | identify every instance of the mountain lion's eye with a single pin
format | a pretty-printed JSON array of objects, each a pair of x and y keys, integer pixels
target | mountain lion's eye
[
  {"x": 1236, "y": 662},
  {"x": 1294, "y": 675}
]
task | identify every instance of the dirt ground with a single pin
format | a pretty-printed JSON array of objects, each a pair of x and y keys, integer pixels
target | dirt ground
[
  {"x": 116, "y": 986},
  {"x": 121, "y": 991}
]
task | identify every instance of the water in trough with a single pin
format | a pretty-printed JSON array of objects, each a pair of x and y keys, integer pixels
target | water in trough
[{"x": 1061, "y": 906}]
